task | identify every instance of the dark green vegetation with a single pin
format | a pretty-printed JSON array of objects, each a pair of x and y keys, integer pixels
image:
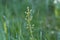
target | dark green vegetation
[{"x": 29, "y": 20}]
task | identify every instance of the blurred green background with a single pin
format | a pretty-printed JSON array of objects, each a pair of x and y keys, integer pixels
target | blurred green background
[{"x": 29, "y": 19}]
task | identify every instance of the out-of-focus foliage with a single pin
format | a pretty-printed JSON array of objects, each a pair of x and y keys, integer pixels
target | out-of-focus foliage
[
  {"x": 40, "y": 21},
  {"x": 57, "y": 8}
]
